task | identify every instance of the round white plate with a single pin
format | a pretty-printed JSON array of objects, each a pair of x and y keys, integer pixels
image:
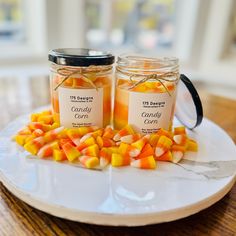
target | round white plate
[{"x": 122, "y": 196}]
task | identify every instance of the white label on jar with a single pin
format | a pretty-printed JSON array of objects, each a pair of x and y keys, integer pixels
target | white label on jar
[
  {"x": 149, "y": 112},
  {"x": 80, "y": 107}
]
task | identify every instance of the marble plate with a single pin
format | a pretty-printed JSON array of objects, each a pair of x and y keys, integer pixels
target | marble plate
[{"x": 122, "y": 196}]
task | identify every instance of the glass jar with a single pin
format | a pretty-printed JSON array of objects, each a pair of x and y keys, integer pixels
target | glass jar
[
  {"x": 80, "y": 82},
  {"x": 145, "y": 92}
]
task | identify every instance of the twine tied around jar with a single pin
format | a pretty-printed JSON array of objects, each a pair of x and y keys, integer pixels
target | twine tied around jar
[
  {"x": 68, "y": 72},
  {"x": 158, "y": 77}
]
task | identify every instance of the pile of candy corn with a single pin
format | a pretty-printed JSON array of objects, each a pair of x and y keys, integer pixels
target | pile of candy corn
[{"x": 95, "y": 148}]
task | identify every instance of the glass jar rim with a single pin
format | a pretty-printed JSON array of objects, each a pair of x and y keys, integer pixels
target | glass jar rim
[{"x": 145, "y": 63}]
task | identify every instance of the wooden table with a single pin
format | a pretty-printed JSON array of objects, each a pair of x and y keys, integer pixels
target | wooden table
[{"x": 18, "y": 218}]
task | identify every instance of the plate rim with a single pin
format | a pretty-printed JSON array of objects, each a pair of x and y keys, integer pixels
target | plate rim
[{"x": 117, "y": 219}]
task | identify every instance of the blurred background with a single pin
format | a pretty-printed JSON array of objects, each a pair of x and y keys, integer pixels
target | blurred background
[{"x": 202, "y": 33}]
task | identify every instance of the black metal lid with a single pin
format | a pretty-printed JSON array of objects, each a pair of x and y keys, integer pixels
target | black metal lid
[
  {"x": 188, "y": 104},
  {"x": 80, "y": 57}
]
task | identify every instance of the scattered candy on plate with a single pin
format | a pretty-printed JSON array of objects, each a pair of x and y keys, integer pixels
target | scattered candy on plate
[{"x": 95, "y": 148}]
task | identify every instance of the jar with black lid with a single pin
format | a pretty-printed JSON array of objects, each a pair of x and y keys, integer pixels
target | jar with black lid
[{"x": 81, "y": 81}]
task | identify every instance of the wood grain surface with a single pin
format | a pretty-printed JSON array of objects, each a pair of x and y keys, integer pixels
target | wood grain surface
[{"x": 18, "y": 218}]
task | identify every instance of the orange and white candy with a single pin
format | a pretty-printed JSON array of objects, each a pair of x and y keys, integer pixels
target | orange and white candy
[
  {"x": 52, "y": 134},
  {"x": 88, "y": 142},
  {"x": 154, "y": 139},
  {"x": 94, "y": 134},
  {"x": 177, "y": 153},
  {"x": 139, "y": 144},
  {"x": 47, "y": 149},
  {"x": 144, "y": 163},
  {"x": 105, "y": 157},
  {"x": 127, "y": 149},
  {"x": 105, "y": 142},
  {"x": 108, "y": 132},
  {"x": 180, "y": 139},
  {"x": 167, "y": 156},
  {"x": 34, "y": 145},
  {"x": 71, "y": 152},
  {"x": 21, "y": 139},
  {"x": 123, "y": 132},
  {"x": 131, "y": 138},
  {"x": 163, "y": 145},
  {"x": 24, "y": 131},
  {"x": 120, "y": 160},
  {"x": 179, "y": 130},
  {"x": 38, "y": 132},
  {"x": 86, "y": 129},
  {"x": 37, "y": 125},
  {"x": 74, "y": 135},
  {"x": 92, "y": 150},
  {"x": 89, "y": 162},
  {"x": 59, "y": 155},
  {"x": 146, "y": 151}
]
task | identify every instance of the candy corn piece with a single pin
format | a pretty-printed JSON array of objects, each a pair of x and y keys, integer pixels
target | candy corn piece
[
  {"x": 59, "y": 155},
  {"x": 167, "y": 156},
  {"x": 47, "y": 149},
  {"x": 108, "y": 132},
  {"x": 55, "y": 125},
  {"x": 163, "y": 145},
  {"x": 123, "y": 132},
  {"x": 94, "y": 134},
  {"x": 46, "y": 119},
  {"x": 105, "y": 156},
  {"x": 87, "y": 129},
  {"x": 24, "y": 131},
  {"x": 97, "y": 133},
  {"x": 162, "y": 132},
  {"x": 84, "y": 137},
  {"x": 192, "y": 146},
  {"x": 179, "y": 130},
  {"x": 52, "y": 134},
  {"x": 114, "y": 149},
  {"x": 146, "y": 151},
  {"x": 105, "y": 142},
  {"x": 89, "y": 162},
  {"x": 34, "y": 117},
  {"x": 34, "y": 145},
  {"x": 177, "y": 153},
  {"x": 139, "y": 144},
  {"x": 71, "y": 152},
  {"x": 120, "y": 160},
  {"x": 37, "y": 125},
  {"x": 154, "y": 139},
  {"x": 63, "y": 133},
  {"x": 64, "y": 141},
  {"x": 21, "y": 139},
  {"x": 131, "y": 138},
  {"x": 127, "y": 149},
  {"x": 29, "y": 138},
  {"x": 38, "y": 132},
  {"x": 88, "y": 142},
  {"x": 180, "y": 139},
  {"x": 144, "y": 163},
  {"x": 92, "y": 150},
  {"x": 74, "y": 135}
]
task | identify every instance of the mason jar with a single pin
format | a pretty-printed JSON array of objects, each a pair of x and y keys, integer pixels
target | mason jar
[
  {"x": 145, "y": 92},
  {"x": 80, "y": 82}
]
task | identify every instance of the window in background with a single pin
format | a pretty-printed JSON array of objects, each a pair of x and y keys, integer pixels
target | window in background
[
  {"x": 133, "y": 24},
  {"x": 11, "y": 21}
]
